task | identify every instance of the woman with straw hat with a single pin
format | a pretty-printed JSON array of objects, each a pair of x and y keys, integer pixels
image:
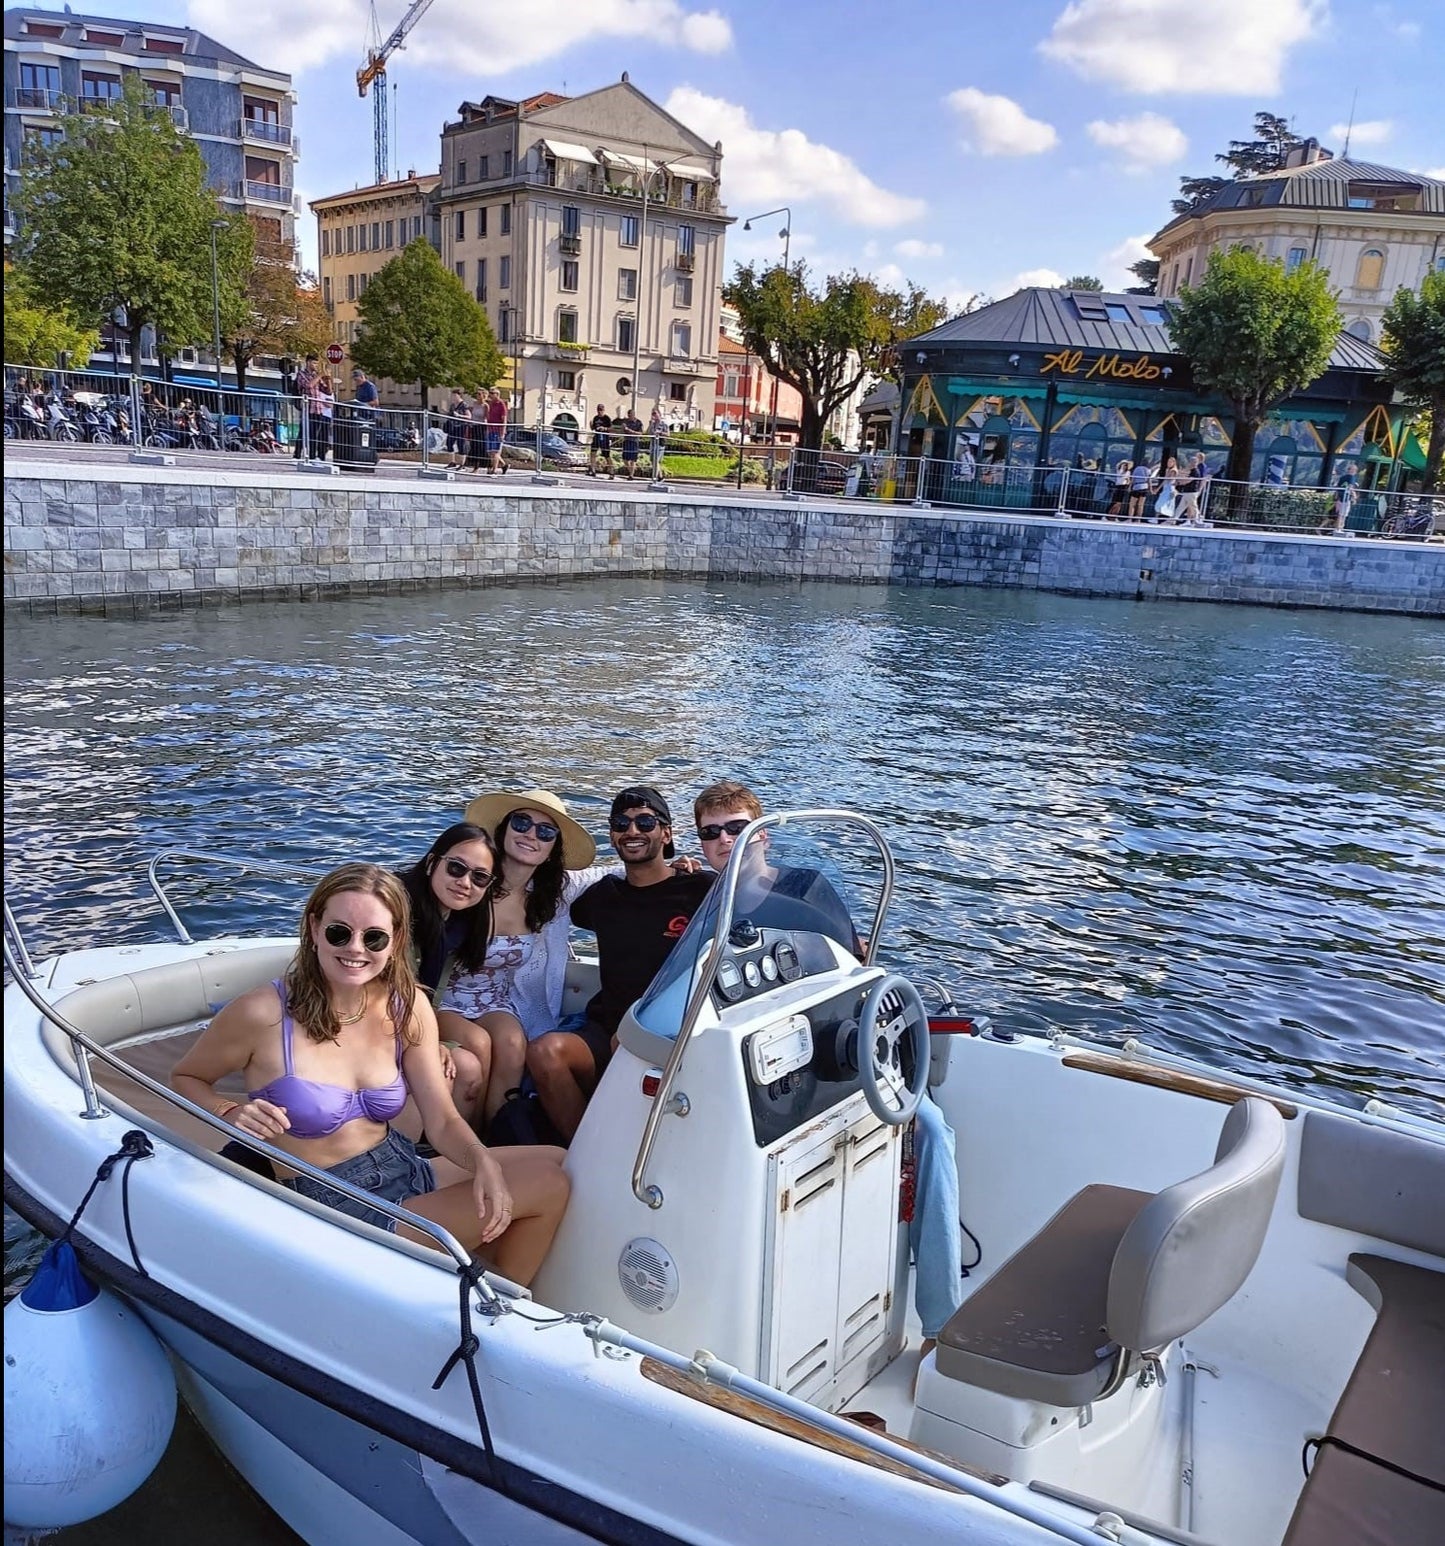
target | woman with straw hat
[{"x": 546, "y": 862}]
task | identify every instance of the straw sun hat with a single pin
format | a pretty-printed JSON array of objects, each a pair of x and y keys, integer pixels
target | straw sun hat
[{"x": 490, "y": 810}]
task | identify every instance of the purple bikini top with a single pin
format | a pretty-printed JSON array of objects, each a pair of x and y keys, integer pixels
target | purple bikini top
[{"x": 316, "y": 1110}]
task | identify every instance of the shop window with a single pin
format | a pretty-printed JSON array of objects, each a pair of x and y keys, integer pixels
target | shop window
[
  {"x": 1370, "y": 270},
  {"x": 993, "y": 445}
]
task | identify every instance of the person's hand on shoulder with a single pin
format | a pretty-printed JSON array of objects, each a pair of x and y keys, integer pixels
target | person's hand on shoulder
[{"x": 685, "y": 864}]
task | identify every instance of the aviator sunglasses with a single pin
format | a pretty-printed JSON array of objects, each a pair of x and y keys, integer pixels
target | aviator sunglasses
[
  {"x": 644, "y": 823},
  {"x": 520, "y": 821},
  {"x": 374, "y": 940},
  {"x": 715, "y": 829},
  {"x": 456, "y": 868}
]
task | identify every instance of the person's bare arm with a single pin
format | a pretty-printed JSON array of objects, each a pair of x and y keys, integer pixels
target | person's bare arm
[{"x": 227, "y": 1046}]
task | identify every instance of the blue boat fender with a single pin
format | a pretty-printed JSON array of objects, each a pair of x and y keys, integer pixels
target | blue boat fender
[{"x": 90, "y": 1396}]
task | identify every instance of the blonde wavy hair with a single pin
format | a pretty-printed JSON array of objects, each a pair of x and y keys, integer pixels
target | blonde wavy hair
[{"x": 307, "y": 994}]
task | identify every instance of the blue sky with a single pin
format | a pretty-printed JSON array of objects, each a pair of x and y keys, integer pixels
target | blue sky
[{"x": 968, "y": 147}]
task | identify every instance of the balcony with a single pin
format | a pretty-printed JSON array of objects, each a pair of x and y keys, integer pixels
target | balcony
[
  {"x": 35, "y": 99},
  {"x": 571, "y": 245},
  {"x": 179, "y": 116},
  {"x": 702, "y": 200},
  {"x": 685, "y": 262},
  {"x": 684, "y": 365},
  {"x": 263, "y": 193},
  {"x": 570, "y": 353},
  {"x": 263, "y": 133}
]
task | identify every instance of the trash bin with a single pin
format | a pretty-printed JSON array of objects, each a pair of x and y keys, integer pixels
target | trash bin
[{"x": 353, "y": 442}]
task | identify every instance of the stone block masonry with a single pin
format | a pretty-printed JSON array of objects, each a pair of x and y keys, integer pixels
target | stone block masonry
[{"x": 123, "y": 539}]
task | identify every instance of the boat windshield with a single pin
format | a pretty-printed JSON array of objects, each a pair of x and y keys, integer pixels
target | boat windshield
[{"x": 789, "y": 879}]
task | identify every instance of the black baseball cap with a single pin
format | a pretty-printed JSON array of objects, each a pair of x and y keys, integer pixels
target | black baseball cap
[{"x": 642, "y": 794}]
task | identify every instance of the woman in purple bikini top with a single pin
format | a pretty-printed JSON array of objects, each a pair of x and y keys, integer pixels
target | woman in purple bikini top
[{"x": 316, "y": 1110}]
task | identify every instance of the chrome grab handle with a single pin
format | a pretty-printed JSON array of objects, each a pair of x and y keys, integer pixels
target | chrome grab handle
[
  {"x": 86, "y": 1048},
  {"x": 12, "y": 933},
  {"x": 213, "y": 856},
  {"x": 661, "y": 1102}
]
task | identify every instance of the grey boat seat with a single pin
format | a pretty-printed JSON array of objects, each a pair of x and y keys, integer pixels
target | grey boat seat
[{"x": 1118, "y": 1273}]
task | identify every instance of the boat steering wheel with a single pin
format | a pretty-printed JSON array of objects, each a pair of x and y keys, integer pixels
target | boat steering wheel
[{"x": 893, "y": 1049}]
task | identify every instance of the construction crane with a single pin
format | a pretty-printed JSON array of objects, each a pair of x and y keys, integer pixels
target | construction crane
[{"x": 373, "y": 74}]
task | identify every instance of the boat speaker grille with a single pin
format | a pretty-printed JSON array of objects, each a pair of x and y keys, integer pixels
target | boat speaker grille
[{"x": 648, "y": 1275}]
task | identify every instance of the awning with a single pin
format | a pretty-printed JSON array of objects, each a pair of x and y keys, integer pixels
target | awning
[
  {"x": 564, "y": 150},
  {"x": 691, "y": 171},
  {"x": 983, "y": 386},
  {"x": 1413, "y": 454},
  {"x": 632, "y": 163}
]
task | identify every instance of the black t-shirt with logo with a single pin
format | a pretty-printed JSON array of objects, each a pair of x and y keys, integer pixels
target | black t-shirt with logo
[{"x": 636, "y": 928}]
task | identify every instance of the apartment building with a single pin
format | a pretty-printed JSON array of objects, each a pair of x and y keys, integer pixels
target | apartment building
[
  {"x": 238, "y": 112},
  {"x": 357, "y": 234},
  {"x": 1374, "y": 229},
  {"x": 746, "y": 407},
  {"x": 592, "y": 229}
]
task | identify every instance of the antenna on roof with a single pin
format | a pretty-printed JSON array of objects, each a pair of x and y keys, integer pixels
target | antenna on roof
[{"x": 1350, "y": 127}]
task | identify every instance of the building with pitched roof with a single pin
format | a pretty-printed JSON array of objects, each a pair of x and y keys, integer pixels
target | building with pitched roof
[
  {"x": 1374, "y": 229},
  {"x": 1084, "y": 379},
  {"x": 238, "y": 112}
]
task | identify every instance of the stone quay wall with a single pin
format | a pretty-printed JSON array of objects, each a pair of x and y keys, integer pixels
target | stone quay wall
[{"x": 126, "y": 539}]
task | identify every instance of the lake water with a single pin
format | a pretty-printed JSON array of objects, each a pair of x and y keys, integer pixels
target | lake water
[{"x": 1221, "y": 829}]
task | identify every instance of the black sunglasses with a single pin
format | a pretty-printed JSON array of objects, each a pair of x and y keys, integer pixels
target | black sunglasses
[
  {"x": 715, "y": 829},
  {"x": 644, "y": 823},
  {"x": 520, "y": 821},
  {"x": 456, "y": 868},
  {"x": 374, "y": 940}
]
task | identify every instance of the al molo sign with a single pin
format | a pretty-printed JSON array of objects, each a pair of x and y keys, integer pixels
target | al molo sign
[{"x": 1115, "y": 367}]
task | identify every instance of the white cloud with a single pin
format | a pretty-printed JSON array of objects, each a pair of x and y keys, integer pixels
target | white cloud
[
  {"x": 1142, "y": 143},
  {"x": 1119, "y": 260},
  {"x": 1229, "y": 48},
  {"x": 479, "y": 35},
  {"x": 1030, "y": 278},
  {"x": 1373, "y": 131},
  {"x": 776, "y": 166},
  {"x": 890, "y": 276},
  {"x": 913, "y": 248},
  {"x": 998, "y": 126},
  {"x": 1437, "y": 172}
]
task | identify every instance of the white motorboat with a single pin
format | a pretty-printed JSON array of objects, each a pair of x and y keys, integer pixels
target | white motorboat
[{"x": 1205, "y": 1310}]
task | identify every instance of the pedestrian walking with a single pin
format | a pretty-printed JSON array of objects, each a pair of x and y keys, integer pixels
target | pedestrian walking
[
  {"x": 601, "y": 449},
  {"x": 477, "y": 438},
  {"x": 631, "y": 443},
  {"x": 497, "y": 429},
  {"x": 657, "y": 433},
  {"x": 459, "y": 419}
]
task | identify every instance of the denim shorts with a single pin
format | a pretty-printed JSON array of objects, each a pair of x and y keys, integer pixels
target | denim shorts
[{"x": 393, "y": 1170}]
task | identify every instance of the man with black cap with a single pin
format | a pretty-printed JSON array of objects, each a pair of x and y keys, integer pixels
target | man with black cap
[{"x": 638, "y": 917}]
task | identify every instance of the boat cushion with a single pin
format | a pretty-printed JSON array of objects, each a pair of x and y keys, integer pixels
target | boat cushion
[
  {"x": 1373, "y": 1181},
  {"x": 1349, "y": 1500},
  {"x": 1191, "y": 1249},
  {"x": 1036, "y": 1328},
  {"x": 1393, "y": 1408}
]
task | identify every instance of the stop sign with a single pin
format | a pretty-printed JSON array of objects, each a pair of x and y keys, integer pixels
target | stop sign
[{"x": 335, "y": 353}]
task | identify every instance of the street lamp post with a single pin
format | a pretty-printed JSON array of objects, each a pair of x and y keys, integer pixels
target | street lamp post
[
  {"x": 787, "y": 235},
  {"x": 216, "y": 225},
  {"x": 648, "y": 173}
]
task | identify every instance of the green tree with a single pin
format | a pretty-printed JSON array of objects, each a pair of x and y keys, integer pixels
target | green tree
[
  {"x": 824, "y": 343},
  {"x": 38, "y": 334},
  {"x": 1254, "y": 334},
  {"x": 418, "y": 323},
  {"x": 276, "y": 311},
  {"x": 1266, "y": 152},
  {"x": 116, "y": 216},
  {"x": 1083, "y": 282},
  {"x": 1413, "y": 343},
  {"x": 1146, "y": 271}
]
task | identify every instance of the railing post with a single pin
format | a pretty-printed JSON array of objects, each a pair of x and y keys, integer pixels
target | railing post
[
  {"x": 137, "y": 434},
  {"x": 425, "y": 438},
  {"x": 305, "y": 429},
  {"x": 919, "y": 501},
  {"x": 1064, "y": 492}
]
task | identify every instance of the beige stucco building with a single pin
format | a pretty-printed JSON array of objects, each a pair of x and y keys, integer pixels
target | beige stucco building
[
  {"x": 1375, "y": 229},
  {"x": 589, "y": 287},
  {"x": 357, "y": 234}
]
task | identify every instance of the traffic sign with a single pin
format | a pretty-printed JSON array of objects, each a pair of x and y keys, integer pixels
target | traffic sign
[{"x": 335, "y": 353}]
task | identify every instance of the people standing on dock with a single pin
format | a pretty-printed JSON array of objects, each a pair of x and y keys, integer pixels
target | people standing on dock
[
  {"x": 323, "y": 411},
  {"x": 496, "y": 430},
  {"x": 306, "y": 379},
  {"x": 1346, "y": 491},
  {"x": 477, "y": 437},
  {"x": 329, "y": 1054},
  {"x": 1186, "y": 508},
  {"x": 638, "y": 917},
  {"x": 1141, "y": 479},
  {"x": 459, "y": 419},
  {"x": 601, "y": 448},
  {"x": 657, "y": 434},
  {"x": 631, "y": 443}
]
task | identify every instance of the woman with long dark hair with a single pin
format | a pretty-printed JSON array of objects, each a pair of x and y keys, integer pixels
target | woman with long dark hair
[
  {"x": 450, "y": 888},
  {"x": 330, "y": 1053}
]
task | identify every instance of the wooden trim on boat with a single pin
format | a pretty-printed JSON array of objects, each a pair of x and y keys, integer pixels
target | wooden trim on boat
[
  {"x": 1165, "y": 1078},
  {"x": 755, "y": 1412}
]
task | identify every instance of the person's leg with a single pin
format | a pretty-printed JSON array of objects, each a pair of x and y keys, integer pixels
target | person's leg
[
  {"x": 564, "y": 1069},
  {"x": 539, "y": 1189},
  {"x": 934, "y": 1234},
  {"x": 466, "y": 1078},
  {"x": 508, "y": 1043}
]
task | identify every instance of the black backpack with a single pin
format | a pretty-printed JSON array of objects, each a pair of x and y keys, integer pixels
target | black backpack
[{"x": 520, "y": 1121}]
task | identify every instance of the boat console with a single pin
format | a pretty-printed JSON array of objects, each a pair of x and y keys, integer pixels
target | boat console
[{"x": 736, "y": 1176}]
